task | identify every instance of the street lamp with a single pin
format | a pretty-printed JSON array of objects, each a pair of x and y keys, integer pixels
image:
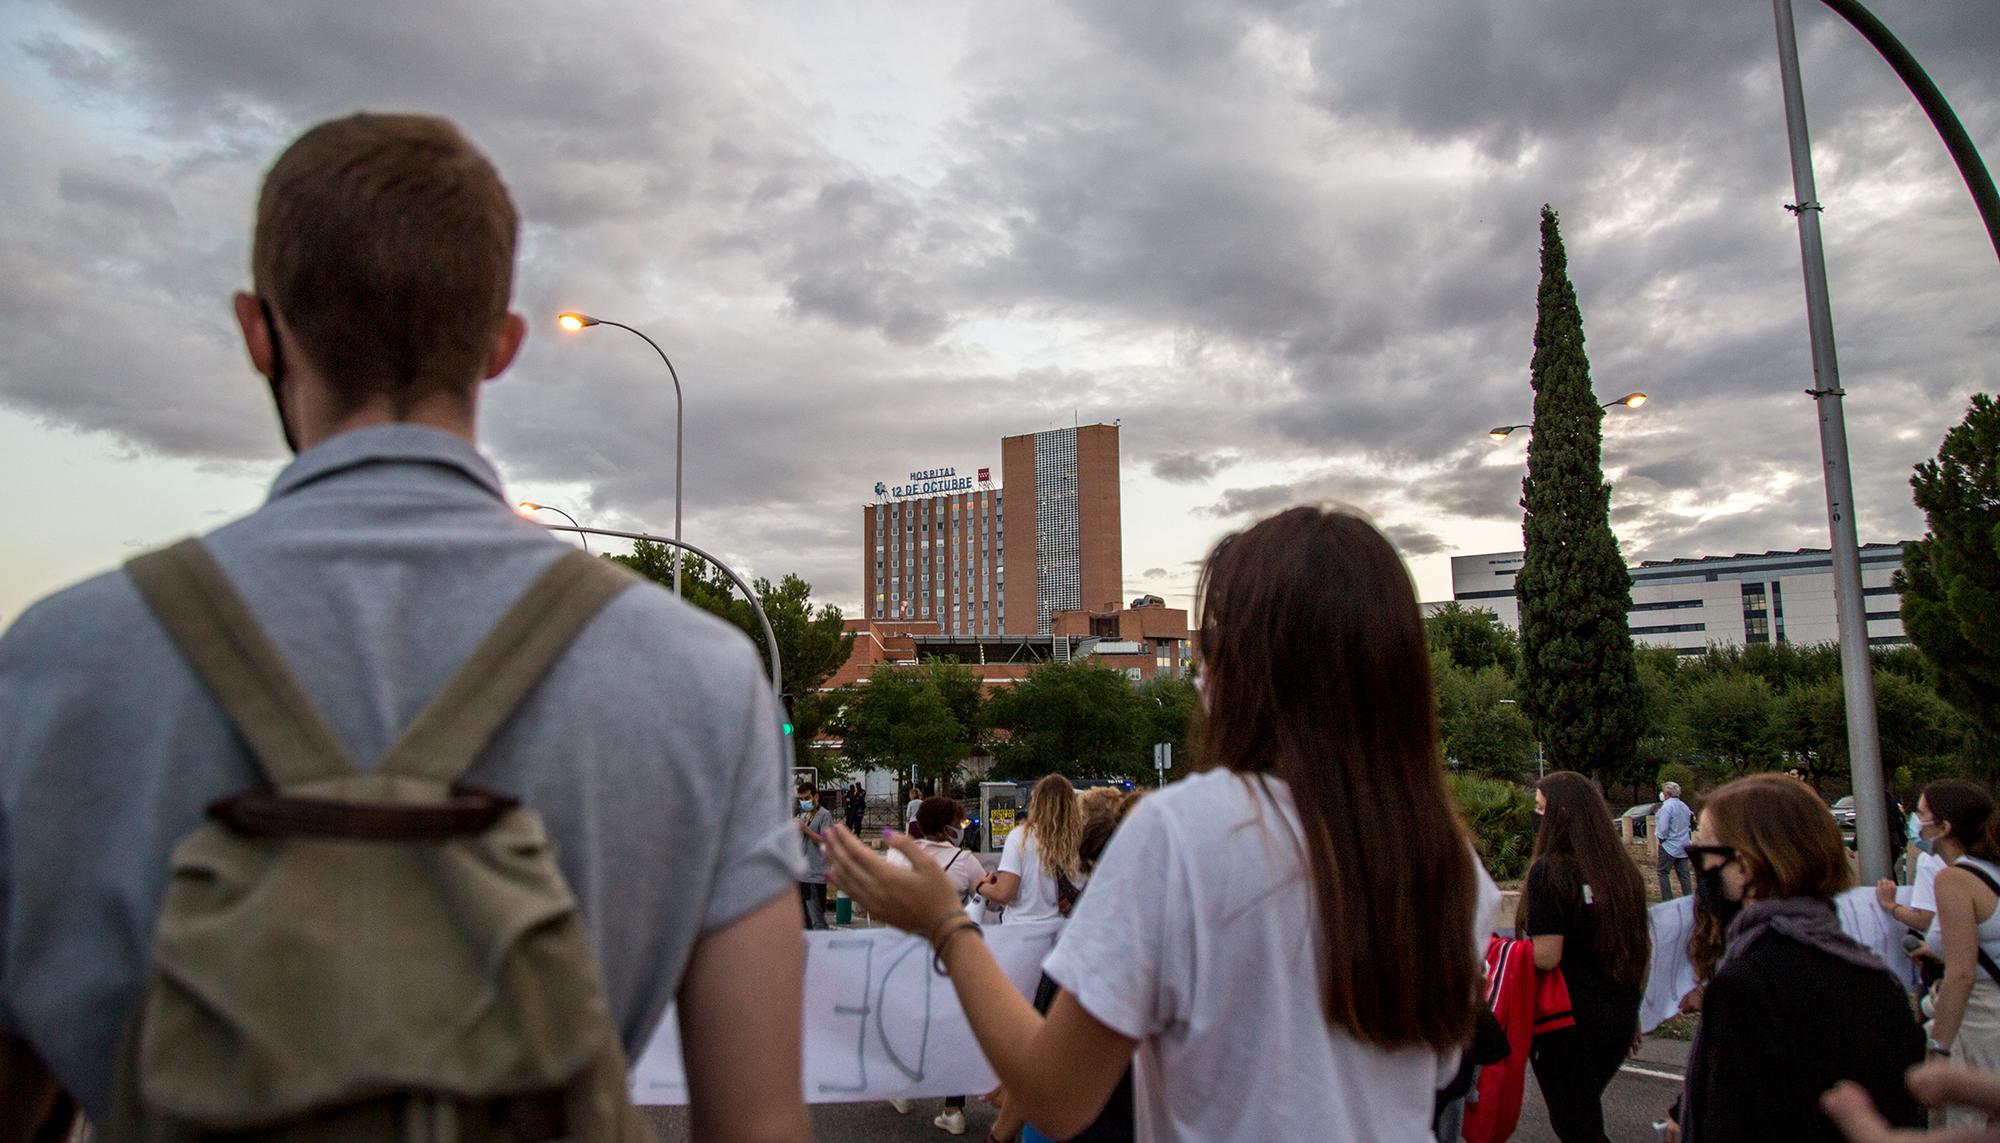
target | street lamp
[
  {"x": 1539, "y": 772},
  {"x": 529, "y": 508},
  {"x": 572, "y": 321},
  {"x": 1499, "y": 433}
]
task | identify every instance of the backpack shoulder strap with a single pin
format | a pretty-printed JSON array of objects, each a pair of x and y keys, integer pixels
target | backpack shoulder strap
[
  {"x": 455, "y": 726},
  {"x": 187, "y": 590},
  {"x": 1973, "y": 867}
]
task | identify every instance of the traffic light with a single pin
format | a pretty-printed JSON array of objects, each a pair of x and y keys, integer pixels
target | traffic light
[{"x": 789, "y": 700}]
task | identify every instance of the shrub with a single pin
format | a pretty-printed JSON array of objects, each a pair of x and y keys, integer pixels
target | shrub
[{"x": 1501, "y": 815}]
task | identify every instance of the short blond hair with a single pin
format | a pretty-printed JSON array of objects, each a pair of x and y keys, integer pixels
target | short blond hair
[{"x": 386, "y": 244}]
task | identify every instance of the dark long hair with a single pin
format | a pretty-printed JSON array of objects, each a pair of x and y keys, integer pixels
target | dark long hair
[
  {"x": 1315, "y": 671},
  {"x": 1969, "y": 809},
  {"x": 1577, "y": 847}
]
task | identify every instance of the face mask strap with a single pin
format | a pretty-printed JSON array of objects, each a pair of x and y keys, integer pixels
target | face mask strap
[{"x": 277, "y": 372}]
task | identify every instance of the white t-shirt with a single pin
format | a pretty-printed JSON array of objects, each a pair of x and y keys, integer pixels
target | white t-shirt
[
  {"x": 1197, "y": 939},
  {"x": 960, "y": 865},
  {"x": 1923, "y": 886},
  {"x": 910, "y": 811},
  {"x": 1036, "y": 898}
]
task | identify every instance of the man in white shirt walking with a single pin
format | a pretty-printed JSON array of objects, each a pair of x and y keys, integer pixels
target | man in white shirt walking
[{"x": 1672, "y": 823}]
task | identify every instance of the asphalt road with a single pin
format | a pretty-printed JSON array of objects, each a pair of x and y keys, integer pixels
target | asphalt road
[{"x": 1639, "y": 1096}]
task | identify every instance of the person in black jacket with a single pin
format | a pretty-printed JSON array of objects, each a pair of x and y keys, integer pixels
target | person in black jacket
[{"x": 1796, "y": 1006}]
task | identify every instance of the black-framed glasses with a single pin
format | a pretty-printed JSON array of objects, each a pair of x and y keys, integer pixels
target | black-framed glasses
[{"x": 1724, "y": 854}]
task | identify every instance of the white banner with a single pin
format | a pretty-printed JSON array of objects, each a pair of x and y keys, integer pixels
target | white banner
[
  {"x": 1673, "y": 922},
  {"x": 878, "y": 1021}
]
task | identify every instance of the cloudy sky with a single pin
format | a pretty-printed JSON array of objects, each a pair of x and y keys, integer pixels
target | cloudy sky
[{"x": 1292, "y": 247}]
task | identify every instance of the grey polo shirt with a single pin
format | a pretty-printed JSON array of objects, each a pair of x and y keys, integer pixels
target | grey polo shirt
[{"x": 651, "y": 749}]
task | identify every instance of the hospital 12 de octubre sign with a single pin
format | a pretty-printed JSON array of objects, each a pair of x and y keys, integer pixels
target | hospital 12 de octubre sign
[{"x": 927, "y": 482}]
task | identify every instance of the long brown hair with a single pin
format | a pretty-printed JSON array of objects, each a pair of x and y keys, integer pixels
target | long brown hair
[
  {"x": 1056, "y": 823},
  {"x": 1787, "y": 843},
  {"x": 1315, "y": 671},
  {"x": 1969, "y": 810},
  {"x": 1577, "y": 847}
]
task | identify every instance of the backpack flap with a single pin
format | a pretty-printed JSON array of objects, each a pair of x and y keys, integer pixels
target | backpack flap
[{"x": 302, "y": 973}]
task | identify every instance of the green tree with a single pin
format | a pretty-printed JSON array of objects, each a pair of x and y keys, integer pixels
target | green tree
[
  {"x": 1578, "y": 678},
  {"x": 1167, "y": 704},
  {"x": 1479, "y": 722},
  {"x": 1474, "y": 637},
  {"x": 1081, "y": 719},
  {"x": 1662, "y": 737},
  {"x": 1918, "y": 729},
  {"x": 898, "y": 720},
  {"x": 811, "y": 643},
  {"x": 1950, "y": 580},
  {"x": 958, "y": 687},
  {"x": 1729, "y": 719}
]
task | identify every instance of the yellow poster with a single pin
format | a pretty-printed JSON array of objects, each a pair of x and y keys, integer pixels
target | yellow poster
[{"x": 1001, "y": 825}]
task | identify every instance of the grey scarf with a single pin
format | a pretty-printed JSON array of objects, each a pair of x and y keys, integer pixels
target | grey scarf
[{"x": 1810, "y": 921}]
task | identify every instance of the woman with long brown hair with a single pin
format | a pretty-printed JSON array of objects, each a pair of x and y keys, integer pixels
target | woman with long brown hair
[
  {"x": 1039, "y": 856},
  {"x": 1957, "y": 820},
  {"x": 1291, "y": 939},
  {"x": 1585, "y": 907}
]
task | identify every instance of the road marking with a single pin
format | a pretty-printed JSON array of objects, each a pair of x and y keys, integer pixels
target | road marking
[{"x": 1650, "y": 1073}]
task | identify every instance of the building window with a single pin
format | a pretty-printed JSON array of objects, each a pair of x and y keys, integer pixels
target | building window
[{"x": 1669, "y": 628}]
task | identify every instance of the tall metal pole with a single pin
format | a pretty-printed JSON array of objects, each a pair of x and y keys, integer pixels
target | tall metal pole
[{"x": 1871, "y": 834}]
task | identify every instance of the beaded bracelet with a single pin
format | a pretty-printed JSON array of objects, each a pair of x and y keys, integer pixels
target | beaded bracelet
[{"x": 937, "y": 957}]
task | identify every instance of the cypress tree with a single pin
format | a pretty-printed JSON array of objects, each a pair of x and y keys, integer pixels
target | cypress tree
[{"x": 1579, "y": 678}]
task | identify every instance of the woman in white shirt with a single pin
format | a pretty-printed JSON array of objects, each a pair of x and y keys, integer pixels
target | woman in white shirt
[
  {"x": 1957, "y": 820},
  {"x": 1039, "y": 855},
  {"x": 1290, "y": 941}
]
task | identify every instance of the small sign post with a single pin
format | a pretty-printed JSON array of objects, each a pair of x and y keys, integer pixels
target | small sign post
[{"x": 1163, "y": 759}]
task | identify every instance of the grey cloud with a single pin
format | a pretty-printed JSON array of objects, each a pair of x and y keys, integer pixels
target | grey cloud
[
  {"x": 1153, "y": 573},
  {"x": 1190, "y": 468},
  {"x": 140, "y": 201},
  {"x": 1411, "y": 540},
  {"x": 1242, "y": 501}
]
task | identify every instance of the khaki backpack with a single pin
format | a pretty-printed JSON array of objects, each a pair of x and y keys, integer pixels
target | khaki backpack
[{"x": 379, "y": 955}]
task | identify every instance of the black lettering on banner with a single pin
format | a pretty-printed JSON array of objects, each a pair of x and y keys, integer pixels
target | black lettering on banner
[
  {"x": 923, "y": 969},
  {"x": 867, "y": 948}
]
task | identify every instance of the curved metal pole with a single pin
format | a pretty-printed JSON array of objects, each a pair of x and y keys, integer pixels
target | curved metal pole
[
  {"x": 584, "y": 540},
  {"x": 1956, "y": 141},
  {"x": 770, "y": 637},
  {"x": 677, "y": 445}
]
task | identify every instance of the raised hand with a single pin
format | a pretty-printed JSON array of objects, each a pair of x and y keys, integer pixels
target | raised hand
[{"x": 913, "y": 900}]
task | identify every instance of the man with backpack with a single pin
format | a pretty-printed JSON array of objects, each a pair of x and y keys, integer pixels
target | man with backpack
[{"x": 380, "y": 807}]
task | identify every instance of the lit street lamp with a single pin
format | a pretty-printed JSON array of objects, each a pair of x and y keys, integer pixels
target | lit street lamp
[
  {"x": 1630, "y": 400},
  {"x": 572, "y": 321},
  {"x": 529, "y": 508}
]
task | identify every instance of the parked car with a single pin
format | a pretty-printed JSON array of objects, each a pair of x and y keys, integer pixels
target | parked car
[
  {"x": 1640, "y": 818},
  {"x": 1843, "y": 813}
]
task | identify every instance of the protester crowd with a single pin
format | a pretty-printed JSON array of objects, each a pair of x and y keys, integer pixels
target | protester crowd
[{"x": 1291, "y": 944}]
